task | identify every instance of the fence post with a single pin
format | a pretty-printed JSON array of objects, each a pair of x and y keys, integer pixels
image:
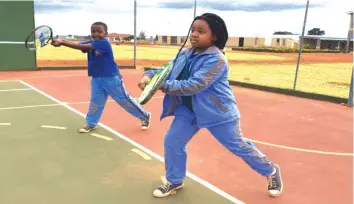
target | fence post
[
  {"x": 195, "y": 8},
  {"x": 135, "y": 38},
  {"x": 301, "y": 44},
  {"x": 350, "y": 97},
  {"x": 350, "y": 31}
]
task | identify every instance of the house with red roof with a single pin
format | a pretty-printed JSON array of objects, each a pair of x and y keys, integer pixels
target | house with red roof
[{"x": 116, "y": 37}]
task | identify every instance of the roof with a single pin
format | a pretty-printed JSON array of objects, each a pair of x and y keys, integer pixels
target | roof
[{"x": 117, "y": 35}]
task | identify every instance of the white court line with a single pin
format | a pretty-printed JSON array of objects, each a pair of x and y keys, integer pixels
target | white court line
[
  {"x": 78, "y": 103},
  {"x": 160, "y": 97},
  {"x": 8, "y": 90},
  {"x": 56, "y": 104},
  {"x": 141, "y": 153},
  {"x": 11, "y": 42},
  {"x": 252, "y": 140},
  {"x": 7, "y": 81},
  {"x": 53, "y": 127},
  {"x": 102, "y": 137},
  {"x": 57, "y": 76},
  {"x": 5, "y": 124},
  {"x": 34, "y": 106},
  {"x": 300, "y": 149},
  {"x": 148, "y": 151}
]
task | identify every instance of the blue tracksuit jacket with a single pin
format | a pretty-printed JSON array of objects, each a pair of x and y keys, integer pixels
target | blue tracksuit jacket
[{"x": 212, "y": 97}]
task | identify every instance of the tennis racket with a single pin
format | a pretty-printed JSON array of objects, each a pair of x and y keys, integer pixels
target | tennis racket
[
  {"x": 39, "y": 37},
  {"x": 153, "y": 85}
]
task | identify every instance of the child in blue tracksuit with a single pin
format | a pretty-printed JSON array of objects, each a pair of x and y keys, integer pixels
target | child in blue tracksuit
[
  {"x": 198, "y": 95},
  {"x": 106, "y": 79}
]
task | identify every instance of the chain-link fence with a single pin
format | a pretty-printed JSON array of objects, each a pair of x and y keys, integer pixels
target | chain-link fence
[{"x": 265, "y": 37}]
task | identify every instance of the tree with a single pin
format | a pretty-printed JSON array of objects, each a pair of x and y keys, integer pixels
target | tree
[
  {"x": 131, "y": 37},
  {"x": 142, "y": 35},
  {"x": 283, "y": 33},
  {"x": 316, "y": 31}
]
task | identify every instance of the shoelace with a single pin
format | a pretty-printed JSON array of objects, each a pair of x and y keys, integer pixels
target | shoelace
[
  {"x": 271, "y": 181},
  {"x": 166, "y": 186},
  {"x": 145, "y": 122}
]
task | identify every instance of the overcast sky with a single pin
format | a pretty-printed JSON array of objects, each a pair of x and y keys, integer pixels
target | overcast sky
[{"x": 173, "y": 17}]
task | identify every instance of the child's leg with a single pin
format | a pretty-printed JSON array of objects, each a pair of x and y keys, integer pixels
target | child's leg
[
  {"x": 115, "y": 88},
  {"x": 182, "y": 129},
  {"x": 97, "y": 103},
  {"x": 230, "y": 136}
]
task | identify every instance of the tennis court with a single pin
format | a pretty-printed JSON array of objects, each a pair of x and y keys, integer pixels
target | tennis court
[{"x": 45, "y": 160}]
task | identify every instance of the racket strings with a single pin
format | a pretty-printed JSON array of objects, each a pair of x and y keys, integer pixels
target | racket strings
[{"x": 39, "y": 37}]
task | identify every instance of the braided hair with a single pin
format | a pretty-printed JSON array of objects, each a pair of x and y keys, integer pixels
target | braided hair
[{"x": 217, "y": 27}]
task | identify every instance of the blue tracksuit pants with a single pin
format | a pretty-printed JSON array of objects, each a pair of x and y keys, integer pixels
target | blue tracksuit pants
[
  {"x": 184, "y": 127},
  {"x": 101, "y": 88}
]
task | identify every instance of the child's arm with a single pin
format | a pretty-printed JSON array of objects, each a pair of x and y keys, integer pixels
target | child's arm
[
  {"x": 74, "y": 45},
  {"x": 149, "y": 75},
  {"x": 211, "y": 70}
]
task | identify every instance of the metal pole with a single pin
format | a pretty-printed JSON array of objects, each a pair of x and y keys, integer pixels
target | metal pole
[
  {"x": 351, "y": 97},
  {"x": 195, "y": 8},
  {"x": 350, "y": 31},
  {"x": 301, "y": 44},
  {"x": 135, "y": 38}
]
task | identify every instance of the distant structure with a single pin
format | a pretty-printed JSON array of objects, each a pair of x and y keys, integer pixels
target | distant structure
[
  {"x": 274, "y": 41},
  {"x": 117, "y": 37}
]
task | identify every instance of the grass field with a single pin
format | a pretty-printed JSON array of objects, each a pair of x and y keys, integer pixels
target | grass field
[
  {"x": 126, "y": 52},
  {"x": 327, "y": 74},
  {"x": 327, "y": 79}
]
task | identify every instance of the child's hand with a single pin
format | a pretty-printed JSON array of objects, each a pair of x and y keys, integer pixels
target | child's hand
[
  {"x": 143, "y": 81},
  {"x": 57, "y": 42}
]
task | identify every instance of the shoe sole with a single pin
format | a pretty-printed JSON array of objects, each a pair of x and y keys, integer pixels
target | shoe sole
[
  {"x": 282, "y": 185},
  {"x": 169, "y": 193},
  {"x": 87, "y": 131}
]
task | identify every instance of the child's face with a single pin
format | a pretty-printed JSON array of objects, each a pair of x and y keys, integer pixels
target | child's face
[
  {"x": 98, "y": 32},
  {"x": 201, "y": 36}
]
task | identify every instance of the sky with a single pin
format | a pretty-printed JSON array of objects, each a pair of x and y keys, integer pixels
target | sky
[{"x": 173, "y": 17}]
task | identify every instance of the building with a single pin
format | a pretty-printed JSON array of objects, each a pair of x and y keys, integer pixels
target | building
[
  {"x": 115, "y": 37},
  {"x": 247, "y": 42},
  {"x": 170, "y": 40},
  {"x": 324, "y": 42},
  {"x": 273, "y": 41}
]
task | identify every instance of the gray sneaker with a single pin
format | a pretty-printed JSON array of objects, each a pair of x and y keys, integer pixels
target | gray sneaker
[
  {"x": 275, "y": 183},
  {"x": 86, "y": 129},
  {"x": 166, "y": 189},
  {"x": 145, "y": 124}
]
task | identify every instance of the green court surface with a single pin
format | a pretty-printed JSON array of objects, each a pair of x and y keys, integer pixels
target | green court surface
[{"x": 45, "y": 165}]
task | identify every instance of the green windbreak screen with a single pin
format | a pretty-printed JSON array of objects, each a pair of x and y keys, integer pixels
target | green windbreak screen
[{"x": 16, "y": 21}]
